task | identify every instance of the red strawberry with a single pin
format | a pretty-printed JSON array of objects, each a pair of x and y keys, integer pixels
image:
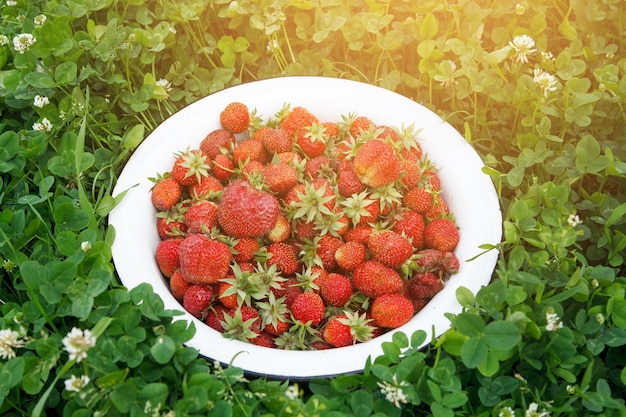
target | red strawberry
[
  {"x": 252, "y": 169},
  {"x": 178, "y": 285},
  {"x": 425, "y": 285},
  {"x": 235, "y": 117},
  {"x": 203, "y": 260},
  {"x": 242, "y": 323},
  {"x": 249, "y": 150},
  {"x": 277, "y": 328},
  {"x": 335, "y": 289},
  {"x": 348, "y": 183},
  {"x": 166, "y": 193},
  {"x": 350, "y": 255},
  {"x": 376, "y": 163},
  {"x": 197, "y": 300},
  {"x": 280, "y": 178},
  {"x": 289, "y": 289},
  {"x": 432, "y": 179},
  {"x": 303, "y": 230},
  {"x": 312, "y": 140},
  {"x": 441, "y": 234},
  {"x": 223, "y": 167},
  {"x": 388, "y": 132},
  {"x": 439, "y": 208},
  {"x": 327, "y": 245},
  {"x": 391, "y": 310},
  {"x": 207, "y": 188},
  {"x": 215, "y": 317},
  {"x": 410, "y": 174},
  {"x": 337, "y": 333},
  {"x": 277, "y": 140},
  {"x": 418, "y": 199},
  {"x": 258, "y": 134},
  {"x": 411, "y": 224},
  {"x": 359, "y": 125},
  {"x": 170, "y": 227},
  {"x": 359, "y": 233},
  {"x": 216, "y": 141},
  {"x": 291, "y": 158},
  {"x": 167, "y": 255},
  {"x": 314, "y": 167},
  {"x": 245, "y": 249},
  {"x": 264, "y": 339},
  {"x": 189, "y": 167},
  {"x": 374, "y": 279},
  {"x": 308, "y": 307},
  {"x": 247, "y": 212},
  {"x": 201, "y": 216},
  {"x": 441, "y": 263},
  {"x": 228, "y": 300},
  {"x": 284, "y": 256},
  {"x": 297, "y": 118},
  {"x": 389, "y": 248}
]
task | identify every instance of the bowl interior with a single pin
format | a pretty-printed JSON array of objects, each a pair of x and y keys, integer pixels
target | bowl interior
[{"x": 469, "y": 193}]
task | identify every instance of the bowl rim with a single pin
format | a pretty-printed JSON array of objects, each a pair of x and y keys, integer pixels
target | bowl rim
[{"x": 480, "y": 221}]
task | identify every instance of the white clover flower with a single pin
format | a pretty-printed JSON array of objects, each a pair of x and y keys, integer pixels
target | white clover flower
[
  {"x": 4, "y": 40},
  {"x": 78, "y": 342},
  {"x": 506, "y": 412},
  {"x": 573, "y": 220},
  {"x": 553, "y": 322},
  {"x": 523, "y": 45},
  {"x": 595, "y": 283},
  {"x": 272, "y": 45},
  {"x": 40, "y": 19},
  {"x": 43, "y": 126},
  {"x": 9, "y": 340},
  {"x": 166, "y": 84},
  {"x": 533, "y": 411},
  {"x": 393, "y": 392},
  {"x": 571, "y": 390},
  {"x": 86, "y": 246},
  {"x": 23, "y": 41},
  {"x": 76, "y": 384},
  {"x": 292, "y": 392},
  {"x": 600, "y": 318},
  {"x": 40, "y": 101},
  {"x": 547, "y": 55},
  {"x": 520, "y": 8},
  {"x": 545, "y": 81},
  {"x": 11, "y": 3}
]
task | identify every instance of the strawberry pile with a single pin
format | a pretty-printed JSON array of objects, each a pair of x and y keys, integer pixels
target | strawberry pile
[{"x": 300, "y": 233}]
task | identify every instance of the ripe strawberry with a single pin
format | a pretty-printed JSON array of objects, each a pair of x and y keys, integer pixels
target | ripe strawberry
[
  {"x": 197, "y": 300},
  {"x": 350, "y": 255},
  {"x": 208, "y": 187},
  {"x": 284, "y": 256},
  {"x": 203, "y": 260},
  {"x": 289, "y": 289},
  {"x": 303, "y": 230},
  {"x": 167, "y": 256},
  {"x": 439, "y": 208},
  {"x": 297, "y": 118},
  {"x": 348, "y": 183},
  {"x": 170, "y": 226},
  {"x": 312, "y": 140},
  {"x": 264, "y": 339},
  {"x": 314, "y": 167},
  {"x": 308, "y": 307},
  {"x": 441, "y": 234},
  {"x": 359, "y": 125},
  {"x": 178, "y": 285},
  {"x": 277, "y": 140},
  {"x": 424, "y": 285},
  {"x": 331, "y": 129},
  {"x": 291, "y": 158},
  {"x": 242, "y": 323},
  {"x": 245, "y": 248},
  {"x": 348, "y": 328},
  {"x": 391, "y": 310},
  {"x": 189, "y": 167},
  {"x": 223, "y": 167},
  {"x": 252, "y": 170},
  {"x": 280, "y": 178},
  {"x": 441, "y": 263},
  {"x": 320, "y": 345},
  {"x": 258, "y": 134},
  {"x": 247, "y": 212},
  {"x": 374, "y": 279},
  {"x": 359, "y": 233},
  {"x": 249, "y": 150},
  {"x": 418, "y": 199},
  {"x": 216, "y": 141},
  {"x": 235, "y": 117},
  {"x": 411, "y": 224},
  {"x": 376, "y": 163},
  {"x": 432, "y": 179},
  {"x": 215, "y": 317},
  {"x": 228, "y": 300},
  {"x": 278, "y": 326},
  {"x": 410, "y": 174},
  {"x": 201, "y": 216},
  {"x": 336, "y": 289},
  {"x": 166, "y": 193},
  {"x": 326, "y": 247},
  {"x": 388, "y": 132},
  {"x": 389, "y": 248}
]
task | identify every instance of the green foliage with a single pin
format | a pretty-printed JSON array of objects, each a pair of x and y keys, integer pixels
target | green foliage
[{"x": 548, "y": 119}]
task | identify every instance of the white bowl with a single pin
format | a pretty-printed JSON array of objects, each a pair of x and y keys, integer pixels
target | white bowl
[{"x": 469, "y": 193}]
